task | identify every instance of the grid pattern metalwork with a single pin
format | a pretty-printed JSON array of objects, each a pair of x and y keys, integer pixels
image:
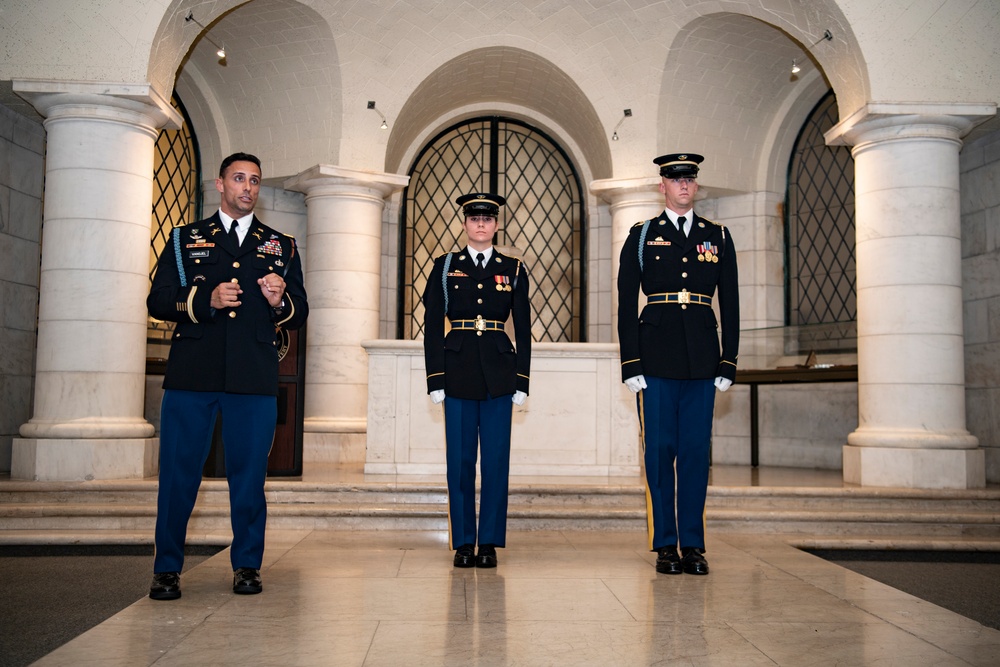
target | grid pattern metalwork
[
  {"x": 543, "y": 222},
  {"x": 820, "y": 269},
  {"x": 176, "y": 191}
]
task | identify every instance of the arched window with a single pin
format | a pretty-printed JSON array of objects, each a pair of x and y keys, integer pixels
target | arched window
[
  {"x": 543, "y": 221},
  {"x": 177, "y": 192},
  {"x": 820, "y": 273}
]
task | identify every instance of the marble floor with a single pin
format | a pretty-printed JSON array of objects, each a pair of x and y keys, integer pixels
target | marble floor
[{"x": 557, "y": 598}]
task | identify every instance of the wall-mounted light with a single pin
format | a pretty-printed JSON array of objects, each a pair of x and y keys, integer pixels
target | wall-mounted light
[
  {"x": 219, "y": 50},
  {"x": 384, "y": 125},
  {"x": 827, "y": 36},
  {"x": 614, "y": 132}
]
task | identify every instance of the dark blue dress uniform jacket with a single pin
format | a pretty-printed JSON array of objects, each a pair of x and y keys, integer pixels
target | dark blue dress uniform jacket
[
  {"x": 464, "y": 364},
  {"x": 669, "y": 340},
  {"x": 233, "y": 350}
]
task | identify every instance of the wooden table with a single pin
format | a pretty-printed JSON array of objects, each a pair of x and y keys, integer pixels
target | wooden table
[{"x": 789, "y": 375}]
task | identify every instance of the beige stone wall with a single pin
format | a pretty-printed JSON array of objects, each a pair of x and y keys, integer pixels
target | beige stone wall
[
  {"x": 981, "y": 294},
  {"x": 22, "y": 146}
]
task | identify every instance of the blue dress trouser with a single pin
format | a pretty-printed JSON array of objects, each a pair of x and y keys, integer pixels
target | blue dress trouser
[
  {"x": 676, "y": 421},
  {"x": 472, "y": 425},
  {"x": 187, "y": 420}
]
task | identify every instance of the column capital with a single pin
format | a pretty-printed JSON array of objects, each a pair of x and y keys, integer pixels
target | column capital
[
  {"x": 618, "y": 190},
  {"x": 137, "y": 103},
  {"x": 328, "y": 179},
  {"x": 884, "y": 121}
]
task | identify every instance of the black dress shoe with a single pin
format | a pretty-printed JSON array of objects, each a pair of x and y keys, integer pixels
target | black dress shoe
[
  {"x": 487, "y": 556},
  {"x": 246, "y": 581},
  {"x": 668, "y": 562},
  {"x": 465, "y": 556},
  {"x": 693, "y": 562},
  {"x": 165, "y": 586}
]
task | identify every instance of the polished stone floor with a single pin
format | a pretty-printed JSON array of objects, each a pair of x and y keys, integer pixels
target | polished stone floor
[{"x": 558, "y": 598}]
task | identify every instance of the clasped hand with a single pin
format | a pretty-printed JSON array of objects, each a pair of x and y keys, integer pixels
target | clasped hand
[{"x": 227, "y": 295}]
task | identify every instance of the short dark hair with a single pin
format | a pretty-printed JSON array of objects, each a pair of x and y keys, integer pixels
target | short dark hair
[{"x": 237, "y": 157}]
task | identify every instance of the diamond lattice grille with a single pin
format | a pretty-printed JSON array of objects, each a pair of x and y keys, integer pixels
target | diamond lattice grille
[
  {"x": 542, "y": 222},
  {"x": 820, "y": 225},
  {"x": 175, "y": 188}
]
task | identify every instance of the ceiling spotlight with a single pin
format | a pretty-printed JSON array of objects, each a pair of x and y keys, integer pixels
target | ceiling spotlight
[
  {"x": 219, "y": 50},
  {"x": 614, "y": 132},
  {"x": 827, "y": 36},
  {"x": 384, "y": 125}
]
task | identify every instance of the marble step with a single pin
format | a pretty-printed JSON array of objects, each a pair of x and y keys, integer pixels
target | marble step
[
  {"x": 215, "y": 493},
  {"x": 432, "y": 516}
]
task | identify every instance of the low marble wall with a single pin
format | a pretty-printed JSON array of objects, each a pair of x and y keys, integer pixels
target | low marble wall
[
  {"x": 578, "y": 420},
  {"x": 581, "y": 420}
]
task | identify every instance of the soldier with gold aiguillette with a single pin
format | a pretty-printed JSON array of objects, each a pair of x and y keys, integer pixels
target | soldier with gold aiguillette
[
  {"x": 671, "y": 357},
  {"x": 478, "y": 374}
]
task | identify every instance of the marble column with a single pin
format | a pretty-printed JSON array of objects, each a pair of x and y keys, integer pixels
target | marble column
[
  {"x": 343, "y": 277},
  {"x": 630, "y": 200},
  {"x": 911, "y": 379},
  {"x": 91, "y": 356}
]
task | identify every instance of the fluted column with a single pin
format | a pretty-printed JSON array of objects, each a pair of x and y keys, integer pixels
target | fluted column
[
  {"x": 343, "y": 277},
  {"x": 630, "y": 200},
  {"x": 91, "y": 365},
  {"x": 911, "y": 367}
]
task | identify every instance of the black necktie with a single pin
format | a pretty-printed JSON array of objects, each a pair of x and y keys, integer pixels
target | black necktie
[
  {"x": 481, "y": 261},
  {"x": 233, "y": 235},
  {"x": 680, "y": 224}
]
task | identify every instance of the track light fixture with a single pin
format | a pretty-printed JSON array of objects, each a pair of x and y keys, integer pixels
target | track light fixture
[
  {"x": 219, "y": 50},
  {"x": 384, "y": 125},
  {"x": 614, "y": 133},
  {"x": 827, "y": 36}
]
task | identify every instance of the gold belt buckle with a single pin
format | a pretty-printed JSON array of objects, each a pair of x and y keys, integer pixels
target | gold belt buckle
[
  {"x": 684, "y": 296},
  {"x": 480, "y": 323}
]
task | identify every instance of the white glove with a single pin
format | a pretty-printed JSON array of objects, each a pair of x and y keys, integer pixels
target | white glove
[
  {"x": 636, "y": 383},
  {"x": 723, "y": 384},
  {"x": 518, "y": 397},
  {"x": 437, "y": 396}
]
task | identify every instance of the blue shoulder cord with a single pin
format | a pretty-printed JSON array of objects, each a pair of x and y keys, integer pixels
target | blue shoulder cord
[
  {"x": 642, "y": 241},
  {"x": 444, "y": 280},
  {"x": 177, "y": 254}
]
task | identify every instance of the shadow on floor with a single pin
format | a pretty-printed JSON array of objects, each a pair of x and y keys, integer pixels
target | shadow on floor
[
  {"x": 965, "y": 582},
  {"x": 51, "y": 594}
]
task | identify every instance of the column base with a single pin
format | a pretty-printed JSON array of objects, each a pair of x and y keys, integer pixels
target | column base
[
  {"x": 79, "y": 460},
  {"x": 915, "y": 468}
]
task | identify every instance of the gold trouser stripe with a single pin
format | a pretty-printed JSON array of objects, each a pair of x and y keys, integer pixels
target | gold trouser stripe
[{"x": 645, "y": 479}]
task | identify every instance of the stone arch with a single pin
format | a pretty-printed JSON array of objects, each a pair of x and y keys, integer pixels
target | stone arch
[
  {"x": 727, "y": 87},
  {"x": 509, "y": 78},
  {"x": 279, "y": 93}
]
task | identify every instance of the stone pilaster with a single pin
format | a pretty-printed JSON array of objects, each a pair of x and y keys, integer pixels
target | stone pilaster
[
  {"x": 344, "y": 223},
  {"x": 630, "y": 200},
  {"x": 911, "y": 380},
  {"x": 90, "y": 371}
]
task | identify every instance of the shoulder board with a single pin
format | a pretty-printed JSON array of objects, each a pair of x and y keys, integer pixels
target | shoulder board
[
  {"x": 713, "y": 222},
  {"x": 639, "y": 224}
]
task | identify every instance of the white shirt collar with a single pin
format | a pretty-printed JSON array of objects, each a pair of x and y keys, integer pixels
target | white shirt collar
[
  {"x": 486, "y": 253},
  {"x": 244, "y": 222},
  {"x": 688, "y": 219}
]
